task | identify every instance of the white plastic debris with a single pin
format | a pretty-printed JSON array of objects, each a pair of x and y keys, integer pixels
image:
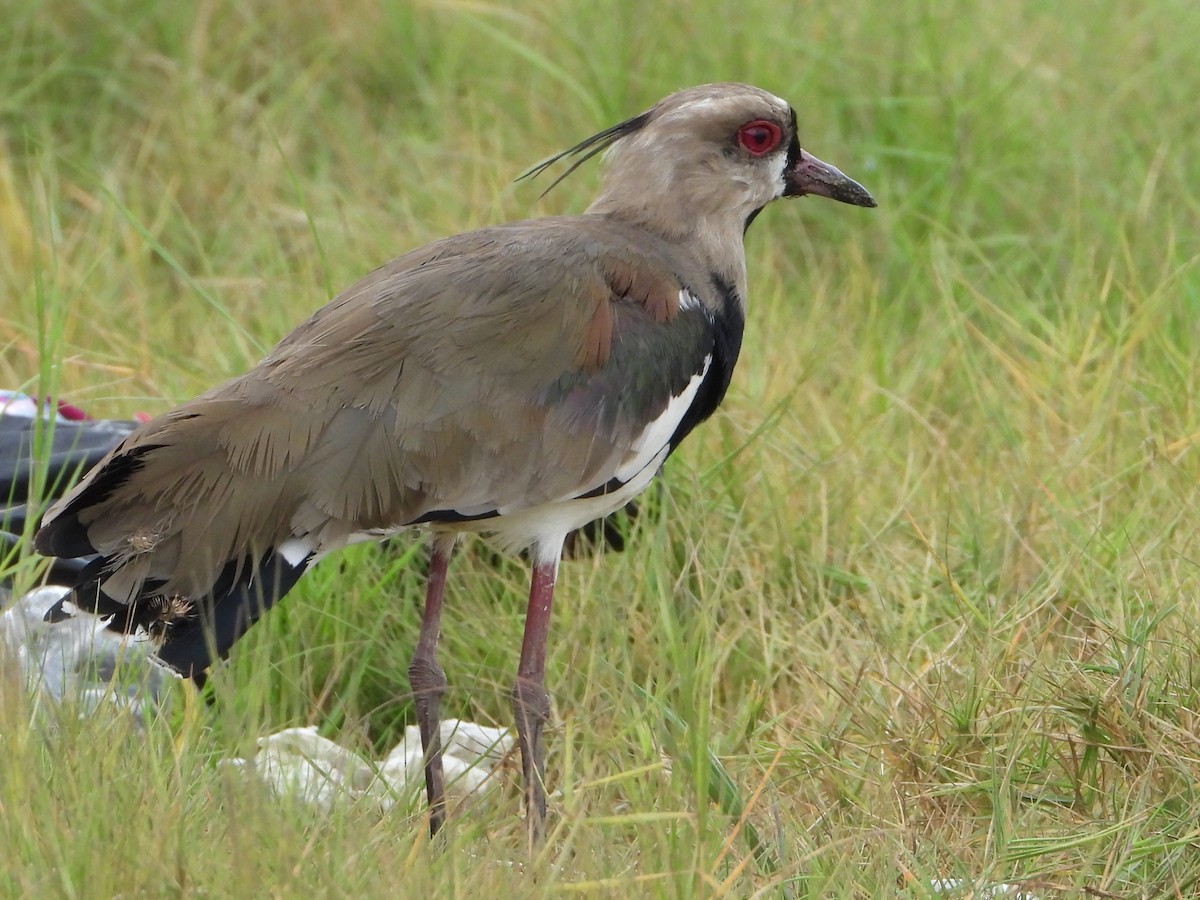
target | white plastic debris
[
  {"x": 470, "y": 755},
  {"x": 979, "y": 891},
  {"x": 299, "y": 763},
  {"x": 79, "y": 659}
]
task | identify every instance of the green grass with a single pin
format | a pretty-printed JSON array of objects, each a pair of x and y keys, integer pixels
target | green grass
[{"x": 919, "y": 602}]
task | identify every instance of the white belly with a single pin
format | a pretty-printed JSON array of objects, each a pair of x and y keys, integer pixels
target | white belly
[{"x": 523, "y": 528}]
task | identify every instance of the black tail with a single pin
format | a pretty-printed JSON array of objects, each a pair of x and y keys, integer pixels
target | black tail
[
  {"x": 193, "y": 634},
  {"x": 192, "y": 645}
]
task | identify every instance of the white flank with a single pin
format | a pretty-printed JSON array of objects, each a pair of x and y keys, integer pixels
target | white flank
[
  {"x": 545, "y": 526},
  {"x": 658, "y": 432}
]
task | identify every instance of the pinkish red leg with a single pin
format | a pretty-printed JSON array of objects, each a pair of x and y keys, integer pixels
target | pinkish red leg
[
  {"x": 428, "y": 681},
  {"x": 531, "y": 703}
]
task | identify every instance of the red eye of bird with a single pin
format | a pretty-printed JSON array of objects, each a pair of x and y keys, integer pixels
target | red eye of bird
[{"x": 759, "y": 136}]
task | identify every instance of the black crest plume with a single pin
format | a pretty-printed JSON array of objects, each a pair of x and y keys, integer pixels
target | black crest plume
[{"x": 597, "y": 143}]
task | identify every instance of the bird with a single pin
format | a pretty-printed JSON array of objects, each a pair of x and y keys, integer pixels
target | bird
[{"x": 516, "y": 381}]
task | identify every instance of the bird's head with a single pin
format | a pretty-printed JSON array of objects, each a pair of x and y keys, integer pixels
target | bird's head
[{"x": 707, "y": 157}]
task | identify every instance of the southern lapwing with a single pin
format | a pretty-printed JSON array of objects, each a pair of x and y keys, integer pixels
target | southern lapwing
[{"x": 516, "y": 381}]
